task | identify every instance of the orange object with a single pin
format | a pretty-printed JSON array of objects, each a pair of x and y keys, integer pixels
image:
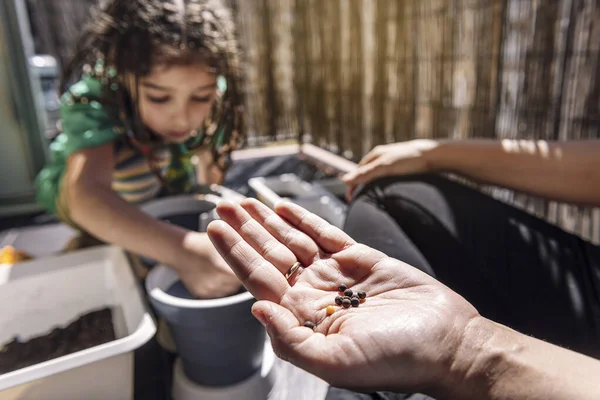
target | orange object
[
  {"x": 10, "y": 255},
  {"x": 330, "y": 310}
]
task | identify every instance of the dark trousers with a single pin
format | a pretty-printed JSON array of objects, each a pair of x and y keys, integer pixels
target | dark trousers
[{"x": 516, "y": 269}]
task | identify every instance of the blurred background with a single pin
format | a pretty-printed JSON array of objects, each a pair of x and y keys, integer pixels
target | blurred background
[{"x": 347, "y": 75}]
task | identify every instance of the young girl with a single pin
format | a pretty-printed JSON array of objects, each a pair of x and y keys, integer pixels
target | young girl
[{"x": 158, "y": 81}]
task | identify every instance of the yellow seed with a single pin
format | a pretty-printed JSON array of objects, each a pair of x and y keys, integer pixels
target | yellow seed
[
  {"x": 8, "y": 255},
  {"x": 330, "y": 310}
]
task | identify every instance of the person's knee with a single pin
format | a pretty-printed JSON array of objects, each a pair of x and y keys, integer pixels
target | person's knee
[
  {"x": 380, "y": 188},
  {"x": 420, "y": 201}
]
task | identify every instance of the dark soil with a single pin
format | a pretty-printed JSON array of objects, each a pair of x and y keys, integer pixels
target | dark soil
[
  {"x": 179, "y": 290},
  {"x": 87, "y": 331}
]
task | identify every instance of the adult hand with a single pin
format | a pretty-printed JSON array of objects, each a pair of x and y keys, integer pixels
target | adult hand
[
  {"x": 404, "y": 336},
  {"x": 391, "y": 159}
]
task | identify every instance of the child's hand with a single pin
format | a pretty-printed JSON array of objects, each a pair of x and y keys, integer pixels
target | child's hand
[{"x": 206, "y": 274}]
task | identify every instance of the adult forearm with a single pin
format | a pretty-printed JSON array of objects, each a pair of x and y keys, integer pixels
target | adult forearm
[
  {"x": 498, "y": 363},
  {"x": 563, "y": 171}
]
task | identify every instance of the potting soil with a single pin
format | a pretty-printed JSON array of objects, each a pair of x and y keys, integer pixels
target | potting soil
[
  {"x": 89, "y": 330},
  {"x": 179, "y": 290}
]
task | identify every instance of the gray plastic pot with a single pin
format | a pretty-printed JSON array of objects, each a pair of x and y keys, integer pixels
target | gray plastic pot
[
  {"x": 219, "y": 342},
  {"x": 312, "y": 196},
  {"x": 184, "y": 210}
]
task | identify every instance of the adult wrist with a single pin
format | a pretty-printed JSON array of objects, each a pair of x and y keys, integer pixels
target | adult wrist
[{"x": 477, "y": 364}]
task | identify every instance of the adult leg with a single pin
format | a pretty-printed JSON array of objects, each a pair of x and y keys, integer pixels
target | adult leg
[{"x": 516, "y": 269}]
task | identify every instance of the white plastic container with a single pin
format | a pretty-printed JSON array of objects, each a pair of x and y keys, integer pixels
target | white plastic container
[
  {"x": 326, "y": 207},
  {"x": 39, "y": 241},
  {"x": 269, "y": 190},
  {"x": 313, "y": 197},
  {"x": 335, "y": 186},
  {"x": 39, "y": 295}
]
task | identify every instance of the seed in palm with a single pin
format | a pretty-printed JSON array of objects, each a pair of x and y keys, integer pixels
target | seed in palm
[
  {"x": 346, "y": 303},
  {"x": 310, "y": 325},
  {"x": 342, "y": 288},
  {"x": 348, "y": 292},
  {"x": 338, "y": 300},
  {"x": 355, "y": 302},
  {"x": 362, "y": 295},
  {"x": 330, "y": 310}
]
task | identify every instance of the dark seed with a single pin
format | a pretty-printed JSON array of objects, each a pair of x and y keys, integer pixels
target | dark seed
[
  {"x": 309, "y": 324},
  {"x": 342, "y": 288},
  {"x": 362, "y": 295},
  {"x": 338, "y": 300},
  {"x": 355, "y": 302},
  {"x": 346, "y": 303},
  {"x": 348, "y": 292}
]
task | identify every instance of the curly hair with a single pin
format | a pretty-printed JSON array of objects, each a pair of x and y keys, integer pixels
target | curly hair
[{"x": 133, "y": 36}]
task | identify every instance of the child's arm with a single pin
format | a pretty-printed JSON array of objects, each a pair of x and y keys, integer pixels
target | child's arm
[{"x": 94, "y": 206}]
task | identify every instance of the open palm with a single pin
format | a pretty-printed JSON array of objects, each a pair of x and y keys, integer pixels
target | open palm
[{"x": 403, "y": 336}]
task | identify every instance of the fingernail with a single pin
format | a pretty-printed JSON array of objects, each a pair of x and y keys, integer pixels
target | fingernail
[{"x": 260, "y": 316}]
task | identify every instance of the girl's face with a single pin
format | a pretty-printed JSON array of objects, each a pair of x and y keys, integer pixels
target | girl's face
[{"x": 175, "y": 100}]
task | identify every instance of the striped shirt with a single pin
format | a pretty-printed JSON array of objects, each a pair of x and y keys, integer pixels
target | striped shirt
[{"x": 133, "y": 179}]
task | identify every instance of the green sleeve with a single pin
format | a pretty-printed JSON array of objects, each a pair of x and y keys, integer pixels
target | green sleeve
[{"x": 86, "y": 123}]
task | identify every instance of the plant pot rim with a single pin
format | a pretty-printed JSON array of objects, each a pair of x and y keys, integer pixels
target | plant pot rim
[
  {"x": 179, "y": 204},
  {"x": 161, "y": 277}
]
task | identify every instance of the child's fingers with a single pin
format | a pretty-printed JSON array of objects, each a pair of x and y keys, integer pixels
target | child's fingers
[
  {"x": 326, "y": 236},
  {"x": 260, "y": 277},
  {"x": 257, "y": 236}
]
